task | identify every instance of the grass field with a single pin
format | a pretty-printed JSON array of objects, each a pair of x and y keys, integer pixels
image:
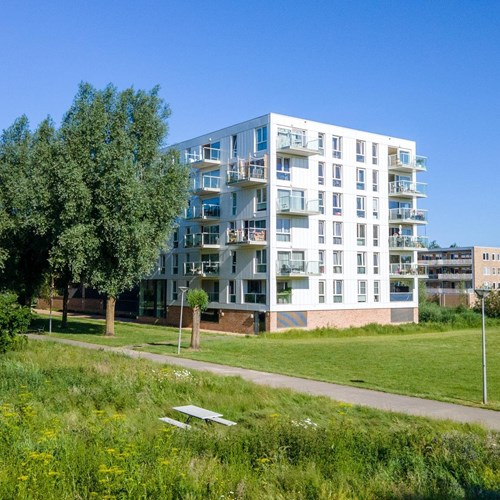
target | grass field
[
  {"x": 441, "y": 365},
  {"x": 78, "y": 424}
]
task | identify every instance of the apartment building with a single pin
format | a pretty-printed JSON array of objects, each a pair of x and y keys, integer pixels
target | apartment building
[
  {"x": 454, "y": 273},
  {"x": 295, "y": 223}
]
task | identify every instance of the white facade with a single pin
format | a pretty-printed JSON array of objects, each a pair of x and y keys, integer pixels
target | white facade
[{"x": 299, "y": 221}]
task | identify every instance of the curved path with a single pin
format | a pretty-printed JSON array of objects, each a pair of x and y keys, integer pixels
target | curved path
[{"x": 353, "y": 395}]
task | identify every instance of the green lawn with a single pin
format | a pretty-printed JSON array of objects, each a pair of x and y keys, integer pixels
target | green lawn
[
  {"x": 444, "y": 365},
  {"x": 76, "y": 423}
]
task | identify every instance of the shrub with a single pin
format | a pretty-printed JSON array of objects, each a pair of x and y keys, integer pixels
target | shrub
[{"x": 14, "y": 319}]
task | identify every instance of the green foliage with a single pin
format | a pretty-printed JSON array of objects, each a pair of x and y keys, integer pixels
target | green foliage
[
  {"x": 14, "y": 320},
  {"x": 459, "y": 317},
  {"x": 491, "y": 304},
  {"x": 196, "y": 297}
]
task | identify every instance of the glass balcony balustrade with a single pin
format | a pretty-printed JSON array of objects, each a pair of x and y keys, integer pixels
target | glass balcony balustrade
[
  {"x": 411, "y": 215},
  {"x": 297, "y": 205},
  {"x": 408, "y": 188},
  {"x": 290, "y": 268},
  {"x": 408, "y": 242},
  {"x": 204, "y": 268},
  {"x": 201, "y": 240},
  {"x": 205, "y": 211}
]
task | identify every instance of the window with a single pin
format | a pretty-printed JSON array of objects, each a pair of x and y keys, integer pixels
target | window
[
  {"x": 231, "y": 291},
  {"x": 337, "y": 203},
  {"x": 321, "y": 231},
  {"x": 233, "y": 262},
  {"x": 321, "y": 202},
  {"x": 337, "y": 233},
  {"x": 360, "y": 178},
  {"x": 375, "y": 180},
  {"x": 261, "y": 261},
  {"x": 321, "y": 291},
  {"x": 360, "y": 206},
  {"x": 361, "y": 291},
  {"x": 338, "y": 286},
  {"x": 337, "y": 146},
  {"x": 375, "y": 154},
  {"x": 375, "y": 208},
  {"x": 261, "y": 199},
  {"x": 360, "y": 150},
  {"x": 361, "y": 234},
  {"x": 376, "y": 291},
  {"x": 174, "y": 290},
  {"x": 337, "y": 262},
  {"x": 404, "y": 157},
  {"x": 321, "y": 173},
  {"x": 376, "y": 237},
  {"x": 175, "y": 242},
  {"x": 283, "y": 229},
  {"x": 234, "y": 203},
  {"x": 486, "y": 271},
  {"x": 486, "y": 256},
  {"x": 376, "y": 263},
  {"x": 261, "y": 138},
  {"x": 234, "y": 146},
  {"x": 211, "y": 151},
  {"x": 337, "y": 175},
  {"x": 163, "y": 262},
  {"x": 175, "y": 263},
  {"x": 321, "y": 261},
  {"x": 361, "y": 262},
  {"x": 321, "y": 143},
  {"x": 255, "y": 292},
  {"x": 282, "y": 168},
  {"x": 283, "y": 292}
]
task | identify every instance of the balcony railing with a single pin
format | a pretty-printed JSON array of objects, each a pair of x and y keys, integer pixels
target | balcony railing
[
  {"x": 213, "y": 296},
  {"x": 247, "y": 174},
  {"x": 201, "y": 240},
  {"x": 408, "y": 215},
  {"x": 204, "y": 268},
  {"x": 204, "y": 157},
  {"x": 407, "y": 270},
  {"x": 446, "y": 262},
  {"x": 448, "y": 291},
  {"x": 205, "y": 211},
  {"x": 255, "y": 298},
  {"x": 408, "y": 188},
  {"x": 407, "y": 162},
  {"x": 208, "y": 183},
  {"x": 408, "y": 242},
  {"x": 251, "y": 236},
  {"x": 401, "y": 296},
  {"x": 284, "y": 297},
  {"x": 290, "y": 268},
  {"x": 297, "y": 205},
  {"x": 455, "y": 276},
  {"x": 297, "y": 143}
]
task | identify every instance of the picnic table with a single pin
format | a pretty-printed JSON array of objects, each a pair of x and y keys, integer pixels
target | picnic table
[{"x": 192, "y": 411}]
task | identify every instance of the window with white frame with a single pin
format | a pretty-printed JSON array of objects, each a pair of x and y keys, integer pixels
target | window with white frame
[
  {"x": 337, "y": 146},
  {"x": 338, "y": 291},
  {"x": 360, "y": 178},
  {"x": 175, "y": 239},
  {"x": 361, "y": 291},
  {"x": 234, "y": 146},
  {"x": 376, "y": 291},
  {"x": 360, "y": 150},
  {"x": 374, "y": 153},
  {"x": 321, "y": 231},
  {"x": 231, "y": 291},
  {"x": 375, "y": 202},
  {"x": 163, "y": 263},
  {"x": 321, "y": 143},
  {"x": 337, "y": 204},
  {"x": 375, "y": 180},
  {"x": 261, "y": 261},
  {"x": 337, "y": 175},
  {"x": 234, "y": 203},
  {"x": 175, "y": 263},
  {"x": 174, "y": 290},
  {"x": 486, "y": 256},
  {"x": 321, "y": 261},
  {"x": 376, "y": 263},
  {"x": 261, "y": 138},
  {"x": 337, "y": 262},
  {"x": 361, "y": 234},
  {"x": 283, "y": 229},
  {"x": 321, "y": 202},
  {"x": 321, "y": 173},
  {"x": 321, "y": 291},
  {"x": 361, "y": 206},
  {"x": 361, "y": 262},
  {"x": 486, "y": 271},
  {"x": 261, "y": 199},
  {"x": 282, "y": 168},
  {"x": 337, "y": 233},
  {"x": 376, "y": 235},
  {"x": 233, "y": 262}
]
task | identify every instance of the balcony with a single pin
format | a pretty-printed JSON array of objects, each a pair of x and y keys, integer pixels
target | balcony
[
  {"x": 284, "y": 297},
  {"x": 455, "y": 276},
  {"x": 407, "y": 163},
  {"x": 206, "y": 156},
  {"x": 297, "y": 144},
  {"x": 202, "y": 240},
  {"x": 297, "y": 268},
  {"x": 249, "y": 174},
  {"x": 213, "y": 296},
  {"x": 297, "y": 205},
  {"x": 255, "y": 298},
  {"x": 203, "y": 212},
  {"x": 205, "y": 184},
  {"x": 398, "y": 270},
  {"x": 411, "y": 215},
  {"x": 401, "y": 296},
  {"x": 408, "y": 189},
  {"x": 446, "y": 262},
  {"x": 448, "y": 291},
  {"x": 203, "y": 268},
  {"x": 247, "y": 237},
  {"x": 408, "y": 243}
]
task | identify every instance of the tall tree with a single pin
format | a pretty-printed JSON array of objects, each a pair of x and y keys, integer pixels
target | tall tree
[
  {"x": 198, "y": 301},
  {"x": 136, "y": 191}
]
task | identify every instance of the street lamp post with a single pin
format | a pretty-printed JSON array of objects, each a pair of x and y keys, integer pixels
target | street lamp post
[
  {"x": 183, "y": 290},
  {"x": 482, "y": 293}
]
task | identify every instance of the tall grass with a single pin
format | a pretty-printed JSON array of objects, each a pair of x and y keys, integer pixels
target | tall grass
[{"x": 77, "y": 424}]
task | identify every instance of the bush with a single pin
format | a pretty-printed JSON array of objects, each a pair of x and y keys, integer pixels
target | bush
[
  {"x": 491, "y": 304},
  {"x": 14, "y": 319}
]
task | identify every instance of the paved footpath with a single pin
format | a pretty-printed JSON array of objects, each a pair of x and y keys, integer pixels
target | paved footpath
[{"x": 353, "y": 395}]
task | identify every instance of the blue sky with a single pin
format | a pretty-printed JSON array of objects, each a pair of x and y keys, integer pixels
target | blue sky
[{"x": 422, "y": 70}]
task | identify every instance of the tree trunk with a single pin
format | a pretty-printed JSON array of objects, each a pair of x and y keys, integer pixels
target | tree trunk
[
  {"x": 64, "y": 322},
  {"x": 195, "y": 329},
  {"x": 110, "y": 316}
]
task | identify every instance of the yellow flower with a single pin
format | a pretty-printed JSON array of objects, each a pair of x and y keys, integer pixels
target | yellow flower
[{"x": 23, "y": 478}]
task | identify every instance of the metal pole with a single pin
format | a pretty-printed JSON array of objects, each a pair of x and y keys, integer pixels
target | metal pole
[
  {"x": 485, "y": 390},
  {"x": 180, "y": 325},
  {"x": 50, "y": 303}
]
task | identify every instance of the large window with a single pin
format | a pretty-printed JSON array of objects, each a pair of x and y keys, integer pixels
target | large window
[
  {"x": 360, "y": 150},
  {"x": 337, "y": 146},
  {"x": 337, "y": 203},
  {"x": 337, "y": 175},
  {"x": 337, "y": 233},
  {"x": 361, "y": 291},
  {"x": 360, "y": 178},
  {"x": 361, "y": 206},
  {"x": 282, "y": 168},
  {"x": 338, "y": 291},
  {"x": 361, "y": 262},
  {"x": 337, "y": 262},
  {"x": 261, "y": 138},
  {"x": 261, "y": 261},
  {"x": 283, "y": 229},
  {"x": 255, "y": 292}
]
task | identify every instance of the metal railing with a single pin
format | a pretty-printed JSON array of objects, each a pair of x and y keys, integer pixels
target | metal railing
[
  {"x": 407, "y": 161},
  {"x": 407, "y": 270},
  {"x": 296, "y": 141},
  {"x": 250, "y": 235},
  {"x": 407, "y": 187},
  {"x": 203, "y": 211},
  {"x": 246, "y": 173},
  {"x": 297, "y": 267},
  {"x": 205, "y": 153},
  {"x": 403, "y": 242},
  {"x": 201, "y": 239},
  {"x": 446, "y": 262},
  {"x": 213, "y": 296},
  {"x": 298, "y": 204},
  {"x": 204, "y": 268},
  {"x": 209, "y": 182},
  {"x": 407, "y": 214}
]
